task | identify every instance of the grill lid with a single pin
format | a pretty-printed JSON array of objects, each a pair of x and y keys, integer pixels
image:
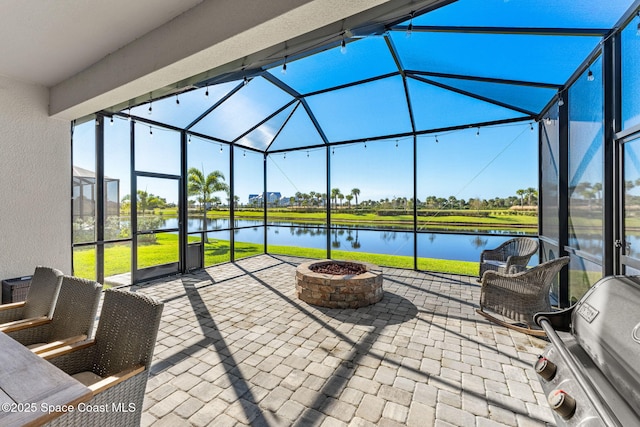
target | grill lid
[{"x": 606, "y": 324}]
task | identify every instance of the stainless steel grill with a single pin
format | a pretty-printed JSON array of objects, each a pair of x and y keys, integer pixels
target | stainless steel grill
[{"x": 591, "y": 369}]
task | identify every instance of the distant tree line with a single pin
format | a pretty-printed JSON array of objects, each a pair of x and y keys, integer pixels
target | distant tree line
[
  {"x": 523, "y": 197},
  {"x": 205, "y": 187}
]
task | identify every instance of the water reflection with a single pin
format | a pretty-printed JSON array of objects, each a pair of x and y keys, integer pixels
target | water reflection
[
  {"x": 463, "y": 247},
  {"x": 430, "y": 245},
  {"x": 479, "y": 242},
  {"x": 335, "y": 243},
  {"x": 590, "y": 243}
]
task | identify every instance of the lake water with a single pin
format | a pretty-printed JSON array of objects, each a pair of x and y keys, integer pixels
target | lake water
[{"x": 462, "y": 247}]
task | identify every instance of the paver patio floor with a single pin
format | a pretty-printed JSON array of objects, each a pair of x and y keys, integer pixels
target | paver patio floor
[{"x": 236, "y": 347}]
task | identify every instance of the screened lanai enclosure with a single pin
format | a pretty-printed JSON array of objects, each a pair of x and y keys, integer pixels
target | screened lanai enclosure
[{"x": 415, "y": 139}]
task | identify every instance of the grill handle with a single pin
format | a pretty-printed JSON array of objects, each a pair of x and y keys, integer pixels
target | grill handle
[
  {"x": 559, "y": 320},
  {"x": 602, "y": 409}
]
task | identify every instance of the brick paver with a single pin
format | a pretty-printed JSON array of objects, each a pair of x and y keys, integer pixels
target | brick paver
[{"x": 236, "y": 347}]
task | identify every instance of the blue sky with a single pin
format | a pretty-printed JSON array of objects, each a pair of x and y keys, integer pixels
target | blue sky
[{"x": 495, "y": 163}]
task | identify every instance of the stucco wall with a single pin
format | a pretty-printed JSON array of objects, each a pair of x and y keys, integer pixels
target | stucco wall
[{"x": 35, "y": 159}]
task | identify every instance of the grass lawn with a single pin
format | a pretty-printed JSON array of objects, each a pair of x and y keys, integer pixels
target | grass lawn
[
  {"x": 430, "y": 264},
  {"x": 117, "y": 256},
  {"x": 165, "y": 250},
  {"x": 485, "y": 220}
]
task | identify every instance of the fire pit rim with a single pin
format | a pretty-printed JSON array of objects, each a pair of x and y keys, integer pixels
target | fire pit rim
[
  {"x": 339, "y": 290},
  {"x": 371, "y": 269}
]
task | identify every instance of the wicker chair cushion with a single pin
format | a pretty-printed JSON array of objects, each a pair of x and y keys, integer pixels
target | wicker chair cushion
[
  {"x": 87, "y": 377},
  {"x": 43, "y": 292},
  {"x": 36, "y": 345},
  {"x": 41, "y": 297}
]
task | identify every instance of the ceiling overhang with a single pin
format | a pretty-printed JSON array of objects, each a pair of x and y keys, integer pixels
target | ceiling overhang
[{"x": 211, "y": 39}]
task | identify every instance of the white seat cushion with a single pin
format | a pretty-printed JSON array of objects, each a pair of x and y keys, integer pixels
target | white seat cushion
[
  {"x": 38, "y": 344},
  {"x": 87, "y": 377}
]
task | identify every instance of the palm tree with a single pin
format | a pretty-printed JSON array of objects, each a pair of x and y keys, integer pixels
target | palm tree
[
  {"x": 204, "y": 188},
  {"x": 341, "y": 197},
  {"x": 356, "y": 193},
  {"x": 530, "y": 193},
  {"x": 521, "y": 194},
  {"x": 334, "y": 195},
  {"x": 349, "y": 197}
]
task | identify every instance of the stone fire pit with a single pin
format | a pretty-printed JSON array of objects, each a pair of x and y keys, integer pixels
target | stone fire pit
[{"x": 359, "y": 287}]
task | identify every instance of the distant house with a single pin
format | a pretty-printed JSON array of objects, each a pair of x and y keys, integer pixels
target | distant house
[
  {"x": 273, "y": 198},
  {"x": 255, "y": 199},
  {"x": 284, "y": 201},
  {"x": 84, "y": 190}
]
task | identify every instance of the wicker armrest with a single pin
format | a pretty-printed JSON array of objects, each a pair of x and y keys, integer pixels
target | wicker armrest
[
  {"x": 518, "y": 274},
  {"x": 492, "y": 254},
  {"x": 12, "y": 306},
  {"x": 516, "y": 268},
  {"x": 518, "y": 259},
  {"x": 23, "y": 324},
  {"x": 116, "y": 379},
  {"x": 68, "y": 349},
  {"x": 492, "y": 275},
  {"x": 72, "y": 358},
  {"x": 13, "y": 311},
  {"x": 499, "y": 286},
  {"x": 45, "y": 348}
]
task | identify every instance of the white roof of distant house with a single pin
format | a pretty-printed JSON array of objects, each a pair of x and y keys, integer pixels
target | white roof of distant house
[{"x": 79, "y": 172}]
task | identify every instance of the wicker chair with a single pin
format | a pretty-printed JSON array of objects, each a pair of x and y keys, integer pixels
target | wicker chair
[
  {"x": 115, "y": 364},
  {"x": 519, "y": 296},
  {"x": 72, "y": 320},
  {"x": 513, "y": 252},
  {"x": 41, "y": 297}
]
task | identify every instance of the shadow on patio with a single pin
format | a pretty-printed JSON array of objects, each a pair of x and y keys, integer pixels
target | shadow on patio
[{"x": 237, "y": 347}]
